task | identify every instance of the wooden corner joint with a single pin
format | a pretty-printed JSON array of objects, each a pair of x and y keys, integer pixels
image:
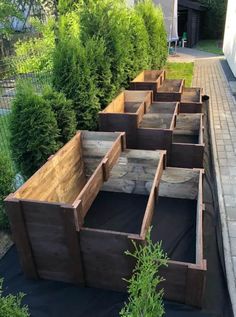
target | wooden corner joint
[
  {"x": 123, "y": 141},
  {"x": 105, "y": 169}
]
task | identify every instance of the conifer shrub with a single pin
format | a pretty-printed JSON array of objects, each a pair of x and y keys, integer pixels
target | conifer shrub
[
  {"x": 140, "y": 57},
  {"x": 35, "y": 53},
  {"x": 154, "y": 22},
  {"x": 63, "y": 111},
  {"x": 6, "y": 186},
  {"x": 144, "y": 298},
  {"x": 11, "y": 305},
  {"x": 34, "y": 130},
  {"x": 109, "y": 20}
]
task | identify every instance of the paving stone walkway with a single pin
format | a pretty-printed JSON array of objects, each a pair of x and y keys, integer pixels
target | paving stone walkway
[{"x": 209, "y": 74}]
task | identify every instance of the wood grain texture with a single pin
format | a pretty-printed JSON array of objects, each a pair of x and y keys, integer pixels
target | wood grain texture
[
  {"x": 179, "y": 183},
  {"x": 54, "y": 181},
  {"x": 21, "y": 237}
]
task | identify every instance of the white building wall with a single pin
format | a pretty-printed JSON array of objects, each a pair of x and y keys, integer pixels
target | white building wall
[{"x": 229, "y": 47}]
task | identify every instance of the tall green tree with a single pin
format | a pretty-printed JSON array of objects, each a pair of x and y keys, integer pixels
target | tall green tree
[
  {"x": 154, "y": 22},
  {"x": 34, "y": 130}
]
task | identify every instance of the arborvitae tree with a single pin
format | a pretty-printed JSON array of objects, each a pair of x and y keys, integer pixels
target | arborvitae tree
[
  {"x": 154, "y": 21},
  {"x": 64, "y": 113},
  {"x": 109, "y": 20},
  {"x": 34, "y": 131},
  {"x": 140, "y": 55},
  {"x": 6, "y": 186},
  {"x": 85, "y": 97},
  {"x": 100, "y": 64}
]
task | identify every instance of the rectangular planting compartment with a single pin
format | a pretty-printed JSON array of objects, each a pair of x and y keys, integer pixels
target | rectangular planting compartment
[
  {"x": 170, "y": 90},
  {"x": 188, "y": 145},
  {"x": 124, "y": 113},
  {"x": 45, "y": 212},
  {"x": 156, "y": 127},
  {"x": 123, "y": 210},
  {"x": 180, "y": 209},
  {"x": 191, "y": 100},
  {"x": 148, "y": 80}
]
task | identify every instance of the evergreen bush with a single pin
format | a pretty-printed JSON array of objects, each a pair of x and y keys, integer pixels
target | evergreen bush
[
  {"x": 77, "y": 80},
  {"x": 34, "y": 131},
  {"x": 11, "y": 305},
  {"x": 140, "y": 54},
  {"x": 154, "y": 22},
  {"x": 109, "y": 20},
  {"x": 35, "y": 54},
  {"x": 144, "y": 298},
  {"x": 63, "y": 111},
  {"x": 6, "y": 186}
]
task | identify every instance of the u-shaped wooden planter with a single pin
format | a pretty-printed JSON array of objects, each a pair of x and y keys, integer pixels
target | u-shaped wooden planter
[{"x": 65, "y": 226}]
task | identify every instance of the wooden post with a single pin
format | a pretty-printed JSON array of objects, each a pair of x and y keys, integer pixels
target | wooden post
[
  {"x": 72, "y": 241},
  {"x": 20, "y": 236}
]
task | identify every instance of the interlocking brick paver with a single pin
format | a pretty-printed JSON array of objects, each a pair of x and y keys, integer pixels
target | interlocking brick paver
[{"x": 210, "y": 76}]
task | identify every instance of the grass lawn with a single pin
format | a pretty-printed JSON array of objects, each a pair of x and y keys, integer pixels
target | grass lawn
[
  {"x": 211, "y": 46},
  {"x": 179, "y": 71}
]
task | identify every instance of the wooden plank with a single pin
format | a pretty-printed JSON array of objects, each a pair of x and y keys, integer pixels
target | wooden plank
[
  {"x": 134, "y": 172},
  {"x": 156, "y": 121},
  {"x": 111, "y": 265},
  {"x": 73, "y": 245},
  {"x": 195, "y": 286},
  {"x": 175, "y": 276},
  {"x": 60, "y": 179},
  {"x": 20, "y": 236},
  {"x": 187, "y": 155},
  {"x": 162, "y": 107},
  {"x": 127, "y": 123},
  {"x": 188, "y": 124},
  {"x": 147, "y": 220},
  {"x": 179, "y": 183},
  {"x": 153, "y": 139},
  {"x": 199, "y": 221},
  {"x": 90, "y": 190}
]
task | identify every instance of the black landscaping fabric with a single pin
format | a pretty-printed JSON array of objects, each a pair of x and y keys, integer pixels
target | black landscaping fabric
[{"x": 55, "y": 299}]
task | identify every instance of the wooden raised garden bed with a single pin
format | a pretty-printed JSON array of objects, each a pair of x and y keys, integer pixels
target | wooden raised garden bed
[
  {"x": 73, "y": 220},
  {"x": 158, "y": 125},
  {"x": 191, "y": 100},
  {"x": 163, "y": 89},
  {"x": 125, "y": 113},
  {"x": 148, "y": 80}
]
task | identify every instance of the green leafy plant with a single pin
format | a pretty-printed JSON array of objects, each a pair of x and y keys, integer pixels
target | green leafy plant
[
  {"x": 35, "y": 54},
  {"x": 140, "y": 58},
  {"x": 154, "y": 22},
  {"x": 109, "y": 20},
  {"x": 144, "y": 298},
  {"x": 63, "y": 111},
  {"x": 11, "y": 305},
  {"x": 6, "y": 186},
  {"x": 34, "y": 130}
]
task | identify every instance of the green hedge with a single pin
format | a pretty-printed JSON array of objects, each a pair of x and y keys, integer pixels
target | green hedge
[
  {"x": 39, "y": 125},
  {"x": 94, "y": 50},
  {"x": 154, "y": 22},
  {"x": 112, "y": 44},
  {"x": 6, "y": 186}
]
